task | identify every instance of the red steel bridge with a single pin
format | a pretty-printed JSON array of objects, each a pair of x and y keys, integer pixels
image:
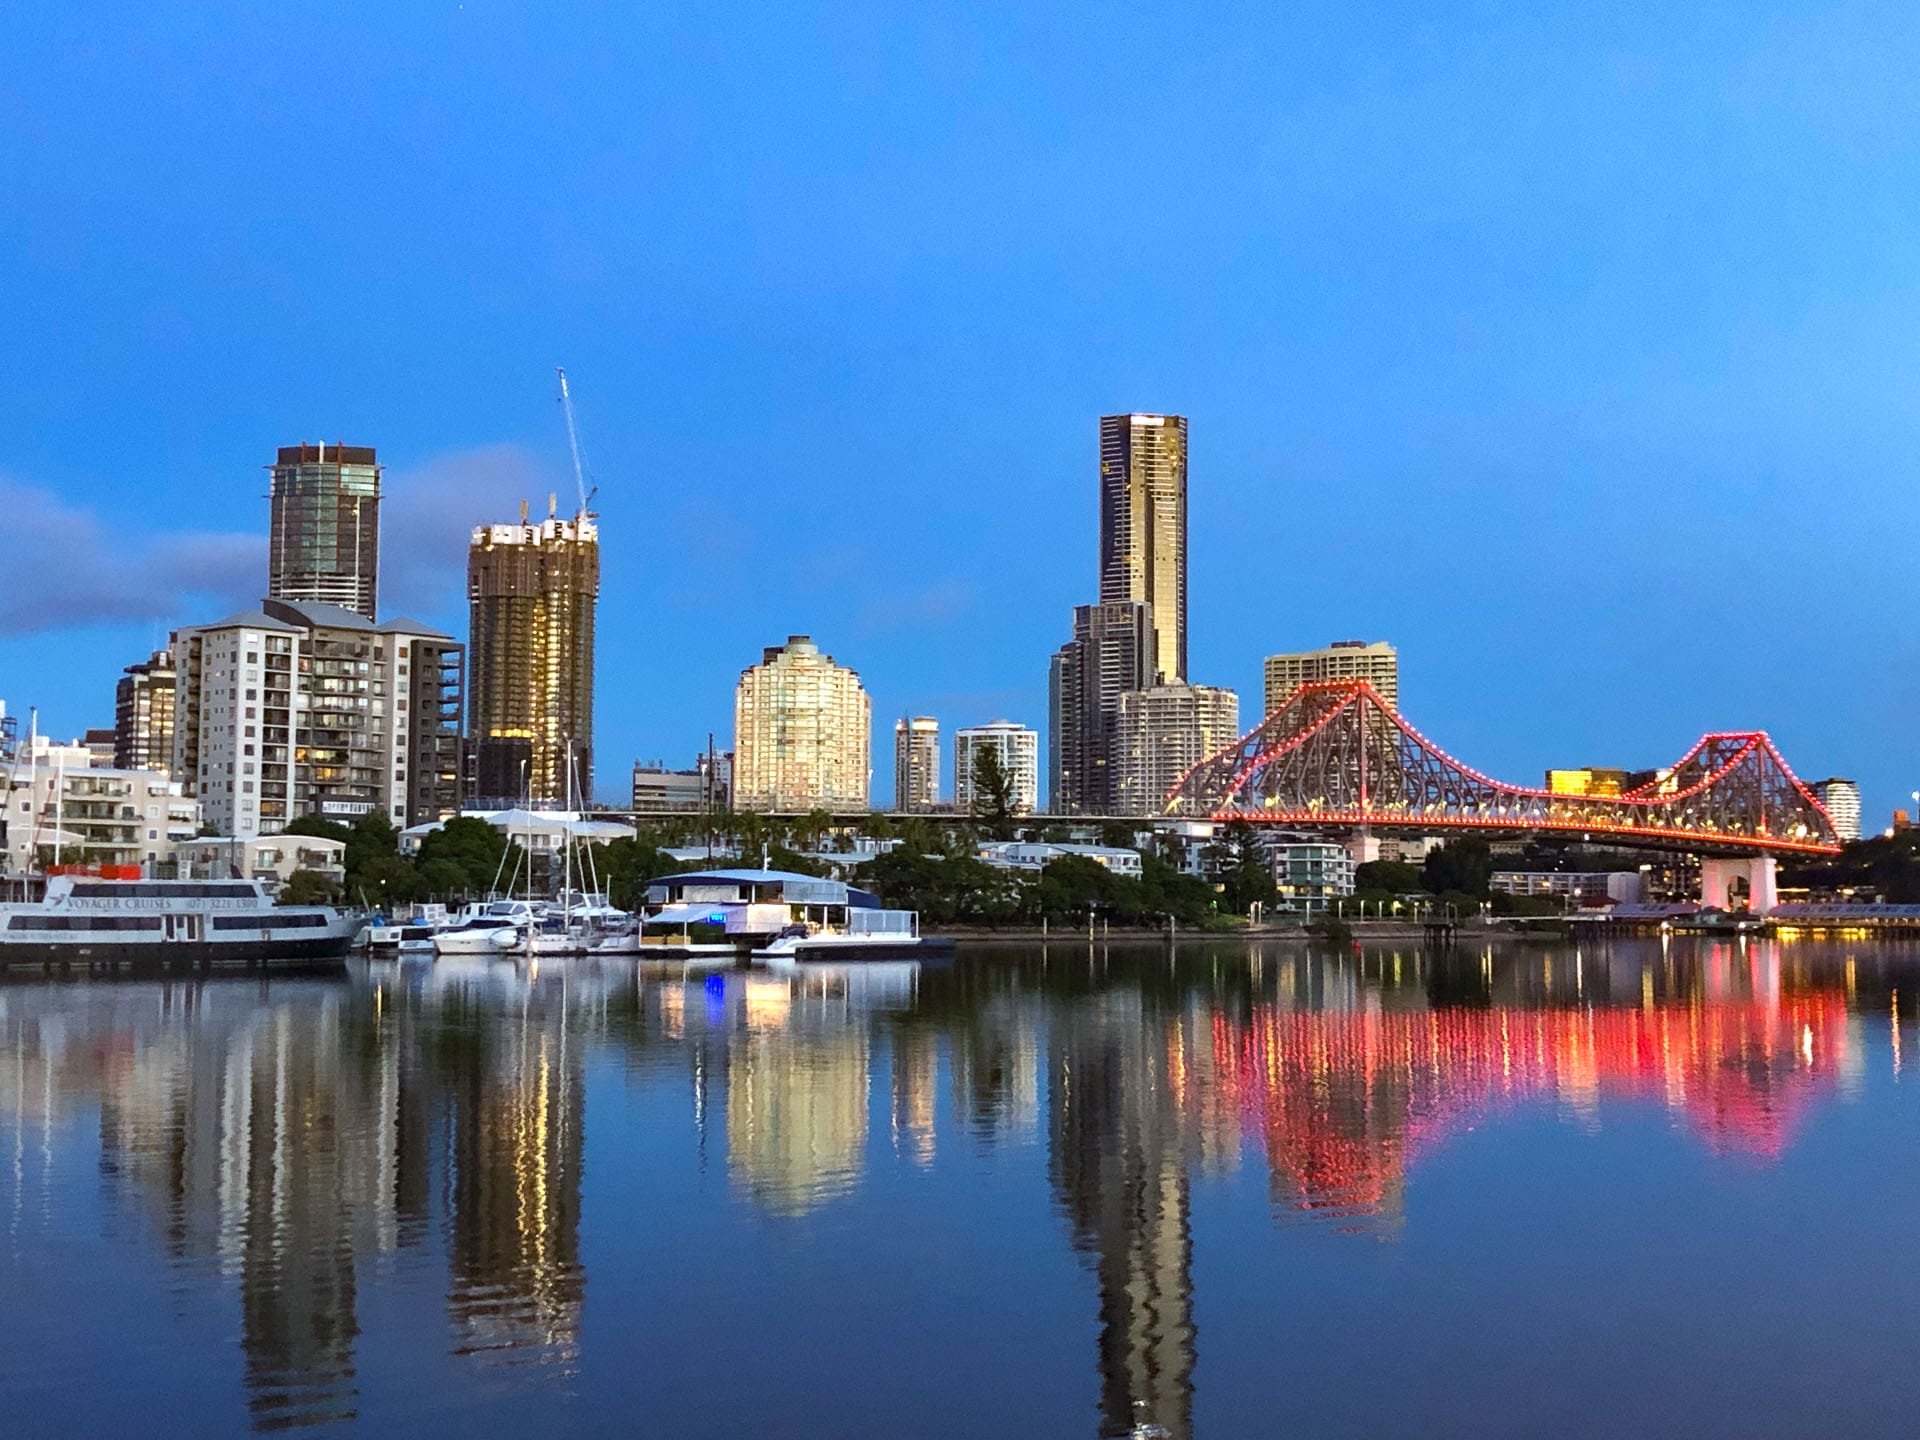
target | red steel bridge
[{"x": 1336, "y": 756}]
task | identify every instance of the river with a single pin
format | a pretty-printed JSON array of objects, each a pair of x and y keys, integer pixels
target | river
[{"x": 1220, "y": 1189}]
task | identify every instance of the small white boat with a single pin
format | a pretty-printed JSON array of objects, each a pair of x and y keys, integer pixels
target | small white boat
[{"x": 493, "y": 928}]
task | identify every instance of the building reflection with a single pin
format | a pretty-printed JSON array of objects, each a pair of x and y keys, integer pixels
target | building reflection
[
  {"x": 281, "y": 1139},
  {"x": 1120, "y": 1175}
]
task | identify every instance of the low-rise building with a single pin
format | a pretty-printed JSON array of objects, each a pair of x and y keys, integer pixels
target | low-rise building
[
  {"x": 1311, "y": 874},
  {"x": 1035, "y": 855},
  {"x": 271, "y": 858},
  {"x": 1580, "y": 887},
  {"x": 94, "y": 816},
  {"x": 708, "y": 785}
]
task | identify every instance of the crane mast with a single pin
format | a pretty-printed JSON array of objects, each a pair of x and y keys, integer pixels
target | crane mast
[{"x": 573, "y": 440}]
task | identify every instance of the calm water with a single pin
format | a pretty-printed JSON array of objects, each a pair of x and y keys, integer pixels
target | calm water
[{"x": 1535, "y": 1191}]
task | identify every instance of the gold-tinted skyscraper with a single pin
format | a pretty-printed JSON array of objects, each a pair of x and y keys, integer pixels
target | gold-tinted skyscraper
[
  {"x": 323, "y": 538},
  {"x": 531, "y": 591},
  {"x": 1143, "y": 528}
]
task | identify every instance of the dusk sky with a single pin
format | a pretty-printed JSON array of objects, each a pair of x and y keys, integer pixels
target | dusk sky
[{"x": 1572, "y": 351}]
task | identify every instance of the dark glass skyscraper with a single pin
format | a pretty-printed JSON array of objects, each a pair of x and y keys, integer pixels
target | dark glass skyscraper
[
  {"x": 1143, "y": 529},
  {"x": 324, "y": 541}
]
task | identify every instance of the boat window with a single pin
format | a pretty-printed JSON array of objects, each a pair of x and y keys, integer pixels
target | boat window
[
  {"x": 84, "y": 922},
  {"x": 274, "y": 921},
  {"x": 164, "y": 890}
]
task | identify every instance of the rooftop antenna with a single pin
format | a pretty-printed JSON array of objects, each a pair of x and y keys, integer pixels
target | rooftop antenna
[{"x": 573, "y": 443}]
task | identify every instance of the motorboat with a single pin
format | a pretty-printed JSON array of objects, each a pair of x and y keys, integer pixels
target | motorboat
[{"x": 493, "y": 927}]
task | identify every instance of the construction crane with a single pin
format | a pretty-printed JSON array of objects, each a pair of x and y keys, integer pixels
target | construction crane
[{"x": 573, "y": 444}]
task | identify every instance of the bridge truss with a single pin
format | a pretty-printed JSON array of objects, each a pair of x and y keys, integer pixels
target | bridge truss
[{"x": 1336, "y": 756}]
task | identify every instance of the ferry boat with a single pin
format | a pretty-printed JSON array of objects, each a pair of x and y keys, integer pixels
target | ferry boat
[{"x": 169, "y": 925}]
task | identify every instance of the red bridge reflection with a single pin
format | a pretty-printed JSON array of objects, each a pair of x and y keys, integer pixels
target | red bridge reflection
[{"x": 1345, "y": 1101}]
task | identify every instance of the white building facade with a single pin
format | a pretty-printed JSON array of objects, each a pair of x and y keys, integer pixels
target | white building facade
[
  {"x": 1162, "y": 733},
  {"x": 1842, "y": 801},
  {"x": 94, "y": 816},
  {"x": 1019, "y": 749},
  {"x": 300, "y": 708}
]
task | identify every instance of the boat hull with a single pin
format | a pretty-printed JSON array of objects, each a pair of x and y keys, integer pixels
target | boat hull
[{"x": 307, "y": 952}]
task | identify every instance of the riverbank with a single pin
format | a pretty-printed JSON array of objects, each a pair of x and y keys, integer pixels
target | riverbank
[{"x": 1360, "y": 929}]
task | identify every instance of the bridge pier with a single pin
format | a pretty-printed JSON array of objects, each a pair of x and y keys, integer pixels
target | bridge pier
[{"x": 1717, "y": 876}]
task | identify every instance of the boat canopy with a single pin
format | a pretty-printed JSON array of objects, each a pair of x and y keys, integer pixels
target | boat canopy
[{"x": 677, "y": 915}]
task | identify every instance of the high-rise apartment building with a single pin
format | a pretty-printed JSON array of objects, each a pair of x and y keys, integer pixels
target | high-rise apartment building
[
  {"x": 300, "y": 708},
  {"x": 143, "y": 714},
  {"x": 1019, "y": 751},
  {"x": 916, "y": 763},
  {"x": 1377, "y": 664},
  {"x": 802, "y": 732},
  {"x": 324, "y": 536},
  {"x": 1110, "y": 653},
  {"x": 1143, "y": 530},
  {"x": 1162, "y": 732},
  {"x": 531, "y": 593},
  {"x": 1841, "y": 799}
]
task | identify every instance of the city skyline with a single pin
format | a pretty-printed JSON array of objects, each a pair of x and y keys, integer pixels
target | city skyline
[{"x": 1418, "y": 372}]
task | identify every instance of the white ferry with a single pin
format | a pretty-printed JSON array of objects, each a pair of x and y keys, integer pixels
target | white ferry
[{"x": 168, "y": 924}]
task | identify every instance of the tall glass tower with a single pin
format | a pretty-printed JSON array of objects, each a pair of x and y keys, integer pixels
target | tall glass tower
[
  {"x": 532, "y": 590},
  {"x": 324, "y": 542},
  {"x": 1143, "y": 529}
]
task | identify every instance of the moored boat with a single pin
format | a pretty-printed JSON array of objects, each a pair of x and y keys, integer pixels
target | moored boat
[{"x": 92, "y": 923}]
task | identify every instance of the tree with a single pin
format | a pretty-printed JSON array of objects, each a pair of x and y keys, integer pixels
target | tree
[
  {"x": 1246, "y": 876},
  {"x": 1389, "y": 877},
  {"x": 992, "y": 792},
  {"x": 485, "y": 857},
  {"x": 1463, "y": 866},
  {"x": 319, "y": 827},
  {"x": 309, "y": 887}
]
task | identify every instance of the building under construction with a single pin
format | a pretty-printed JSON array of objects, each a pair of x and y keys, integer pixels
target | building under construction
[{"x": 531, "y": 591}]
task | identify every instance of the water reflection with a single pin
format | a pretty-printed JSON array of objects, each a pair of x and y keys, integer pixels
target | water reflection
[{"x": 282, "y": 1141}]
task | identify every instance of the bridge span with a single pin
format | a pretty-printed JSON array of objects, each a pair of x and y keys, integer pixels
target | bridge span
[{"x": 1335, "y": 756}]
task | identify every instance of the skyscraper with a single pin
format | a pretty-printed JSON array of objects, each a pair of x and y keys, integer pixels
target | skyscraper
[
  {"x": 1143, "y": 529},
  {"x": 324, "y": 536},
  {"x": 1019, "y": 750},
  {"x": 803, "y": 732},
  {"x": 1162, "y": 732},
  {"x": 916, "y": 763},
  {"x": 1378, "y": 664},
  {"x": 1109, "y": 654},
  {"x": 531, "y": 592},
  {"x": 143, "y": 715},
  {"x": 1841, "y": 799}
]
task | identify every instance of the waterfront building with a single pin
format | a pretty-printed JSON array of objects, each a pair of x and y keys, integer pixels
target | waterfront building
[
  {"x": 803, "y": 729},
  {"x": 143, "y": 714},
  {"x": 1593, "y": 780},
  {"x": 99, "y": 741},
  {"x": 1110, "y": 653},
  {"x": 1163, "y": 732},
  {"x": 532, "y": 591},
  {"x": 1019, "y": 751},
  {"x": 916, "y": 763},
  {"x": 1311, "y": 874},
  {"x": 1035, "y": 855},
  {"x": 85, "y": 815},
  {"x": 1378, "y": 664},
  {"x": 1841, "y": 800},
  {"x": 272, "y": 859},
  {"x": 324, "y": 531},
  {"x": 707, "y": 785},
  {"x": 1143, "y": 530},
  {"x": 300, "y": 708},
  {"x": 1580, "y": 887}
]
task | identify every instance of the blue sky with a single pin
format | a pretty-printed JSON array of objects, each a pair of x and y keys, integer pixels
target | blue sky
[{"x": 1572, "y": 351}]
